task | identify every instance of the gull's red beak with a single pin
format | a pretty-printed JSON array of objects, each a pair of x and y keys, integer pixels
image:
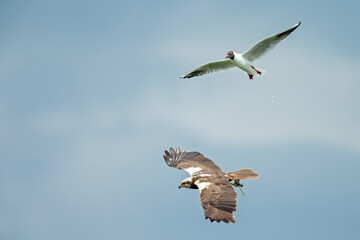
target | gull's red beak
[{"x": 227, "y": 56}]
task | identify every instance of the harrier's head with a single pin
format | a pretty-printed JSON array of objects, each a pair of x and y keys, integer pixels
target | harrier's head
[
  {"x": 230, "y": 54},
  {"x": 188, "y": 183}
]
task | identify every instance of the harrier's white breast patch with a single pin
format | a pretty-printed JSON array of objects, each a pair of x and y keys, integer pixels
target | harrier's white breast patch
[{"x": 202, "y": 185}]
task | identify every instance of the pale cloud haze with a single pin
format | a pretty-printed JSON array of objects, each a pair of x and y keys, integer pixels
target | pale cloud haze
[{"x": 90, "y": 97}]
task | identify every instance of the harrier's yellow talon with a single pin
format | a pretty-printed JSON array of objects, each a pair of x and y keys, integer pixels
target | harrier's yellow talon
[{"x": 235, "y": 184}]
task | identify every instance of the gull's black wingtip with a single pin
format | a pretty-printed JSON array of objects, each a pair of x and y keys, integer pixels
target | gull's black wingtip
[
  {"x": 295, "y": 26},
  {"x": 185, "y": 77}
]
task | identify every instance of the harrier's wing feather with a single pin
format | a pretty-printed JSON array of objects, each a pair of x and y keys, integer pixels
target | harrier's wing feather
[
  {"x": 209, "y": 68},
  {"x": 174, "y": 158},
  {"x": 219, "y": 202},
  {"x": 267, "y": 44},
  {"x": 192, "y": 162}
]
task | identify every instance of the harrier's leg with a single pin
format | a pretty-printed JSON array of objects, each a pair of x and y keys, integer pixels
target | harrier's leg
[{"x": 237, "y": 183}]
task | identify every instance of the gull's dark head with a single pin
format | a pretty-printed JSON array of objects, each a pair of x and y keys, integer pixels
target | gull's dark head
[{"x": 230, "y": 54}]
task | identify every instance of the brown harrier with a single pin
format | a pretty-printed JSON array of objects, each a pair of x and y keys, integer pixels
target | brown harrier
[{"x": 217, "y": 195}]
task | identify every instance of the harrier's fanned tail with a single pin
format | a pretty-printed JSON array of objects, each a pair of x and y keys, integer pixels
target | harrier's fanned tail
[{"x": 246, "y": 173}]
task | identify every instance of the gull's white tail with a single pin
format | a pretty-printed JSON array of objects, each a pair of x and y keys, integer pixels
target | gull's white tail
[{"x": 263, "y": 71}]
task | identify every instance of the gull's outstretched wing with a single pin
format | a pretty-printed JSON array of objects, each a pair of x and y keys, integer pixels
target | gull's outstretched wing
[
  {"x": 209, "y": 68},
  {"x": 267, "y": 44}
]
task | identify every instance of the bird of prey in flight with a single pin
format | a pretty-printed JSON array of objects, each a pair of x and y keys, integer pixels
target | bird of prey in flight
[
  {"x": 217, "y": 196},
  {"x": 243, "y": 61}
]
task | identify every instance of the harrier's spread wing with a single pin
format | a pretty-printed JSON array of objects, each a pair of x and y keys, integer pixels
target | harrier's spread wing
[
  {"x": 219, "y": 202},
  {"x": 194, "y": 163},
  {"x": 217, "y": 196},
  {"x": 267, "y": 44}
]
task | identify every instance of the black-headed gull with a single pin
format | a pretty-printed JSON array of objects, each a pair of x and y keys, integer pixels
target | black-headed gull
[{"x": 243, "y": 61}]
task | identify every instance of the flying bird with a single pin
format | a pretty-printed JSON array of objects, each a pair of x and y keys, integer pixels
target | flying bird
[
  {"x": 243, "y": 61},
  {"x": 217, "y": 196}
]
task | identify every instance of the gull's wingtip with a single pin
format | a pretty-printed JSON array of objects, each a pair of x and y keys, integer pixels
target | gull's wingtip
[
  {"x": 184, "y": 77},
  {"x": 295, "y": 26}
]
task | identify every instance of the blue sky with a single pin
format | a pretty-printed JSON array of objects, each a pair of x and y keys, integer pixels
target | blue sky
[{"x": 90, "y": 97}]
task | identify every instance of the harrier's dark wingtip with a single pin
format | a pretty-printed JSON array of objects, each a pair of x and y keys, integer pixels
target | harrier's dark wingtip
[
  {"x": 174, "y": 156},
  {"x": 167, "y": 158}
]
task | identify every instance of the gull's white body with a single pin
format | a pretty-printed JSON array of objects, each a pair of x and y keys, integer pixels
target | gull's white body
[
  {"x": 244, "y": 64},
  {"x": 243, "y": 61}
]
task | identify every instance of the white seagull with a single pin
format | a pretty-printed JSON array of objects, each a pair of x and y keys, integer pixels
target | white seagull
[{"x": 243, "y": 61}]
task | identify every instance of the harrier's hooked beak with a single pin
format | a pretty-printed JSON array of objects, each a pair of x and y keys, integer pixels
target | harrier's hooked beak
[{"x": 179, "y": 187}]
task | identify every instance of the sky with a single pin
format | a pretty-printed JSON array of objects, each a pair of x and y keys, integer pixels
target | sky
[{"x": 90, "y": 97}]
